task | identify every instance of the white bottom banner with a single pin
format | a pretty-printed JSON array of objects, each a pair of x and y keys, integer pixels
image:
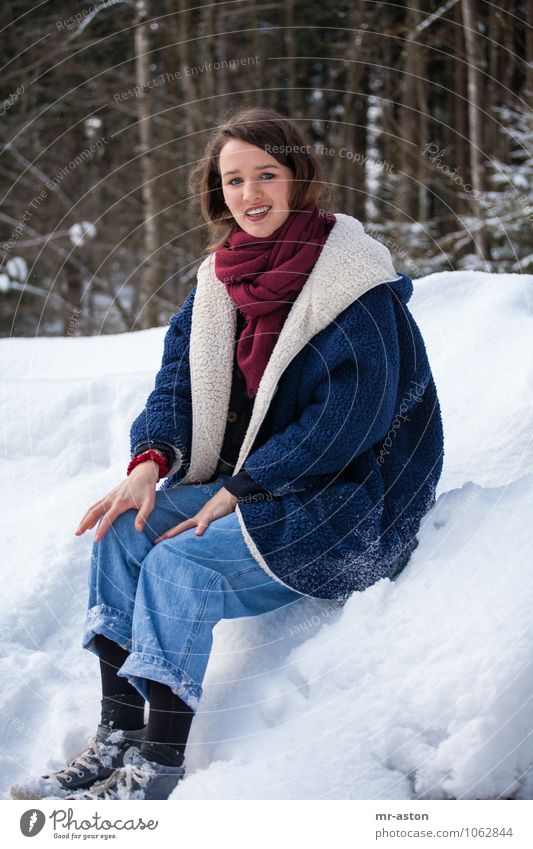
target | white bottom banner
[{"x": 268, "y": 824}]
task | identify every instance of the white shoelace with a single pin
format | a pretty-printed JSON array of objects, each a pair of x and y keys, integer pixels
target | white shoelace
[{"x": 126, "y": 777}]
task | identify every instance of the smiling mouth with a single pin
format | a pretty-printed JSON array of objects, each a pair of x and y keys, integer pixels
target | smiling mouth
[{"x": 258, "y": 213}]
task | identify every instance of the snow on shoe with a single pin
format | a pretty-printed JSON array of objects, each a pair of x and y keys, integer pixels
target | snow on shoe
[
  {"x": 96, "y": 762},
  {"x": 137, "y": 779}
]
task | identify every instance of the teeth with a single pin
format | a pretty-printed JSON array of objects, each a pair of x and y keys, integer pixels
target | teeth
[{"x": 258, "y": 211}]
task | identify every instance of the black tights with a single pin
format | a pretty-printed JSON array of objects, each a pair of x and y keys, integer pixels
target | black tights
[{"x": 169, "y": 719}]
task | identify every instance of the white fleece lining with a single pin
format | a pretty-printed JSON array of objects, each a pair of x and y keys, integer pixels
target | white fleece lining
[
  {"x": 256, "y": 554},
  {"x": 176, "y": 466},
  {"x": 351, "y": 262}
]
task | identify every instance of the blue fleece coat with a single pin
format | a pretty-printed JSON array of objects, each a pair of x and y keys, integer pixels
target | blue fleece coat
[{"x": 346, "y": 431}]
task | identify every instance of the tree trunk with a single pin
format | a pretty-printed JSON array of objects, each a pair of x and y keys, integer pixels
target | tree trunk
[
  {"x": 73, "y": 296},
  {"x": 290, "y": 91},
  {"x": 474, "y": 87},
  {"x": 406, "y": 207},
  {"x": 529, "y": 54},
  {"x": 421, "y": 119},
  {"x": 348, "y": 175},
  {"x": 250, "y": 76},
  {"x": 460, "y": 146},
  {"x": 386, "y": 144},
  {"x": 357, "y": 201},
  {"x": 150, "y": 276}
]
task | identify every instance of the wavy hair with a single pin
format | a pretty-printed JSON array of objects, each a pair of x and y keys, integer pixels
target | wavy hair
[{"x": 272, "y": 131}]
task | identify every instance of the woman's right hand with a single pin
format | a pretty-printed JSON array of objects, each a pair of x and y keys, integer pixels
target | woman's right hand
[{"x": 137, "y": 491}]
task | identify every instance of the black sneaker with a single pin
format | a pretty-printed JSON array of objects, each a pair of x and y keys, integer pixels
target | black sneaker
[
  {"x": 138, "y": 779},
  {"x": 96, "y": 762}
]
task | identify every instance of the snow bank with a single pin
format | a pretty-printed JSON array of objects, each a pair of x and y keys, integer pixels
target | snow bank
[{"x": 419, "y": 688}]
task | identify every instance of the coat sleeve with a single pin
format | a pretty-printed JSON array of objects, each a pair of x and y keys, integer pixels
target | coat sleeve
[
  {"x": 351, "y": 404},
  {"x": 242, "y": 485},
  {"x": 166, "y": 421}
]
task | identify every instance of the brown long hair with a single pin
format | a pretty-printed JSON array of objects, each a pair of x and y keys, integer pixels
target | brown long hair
[{"x": 276, "y": 134}]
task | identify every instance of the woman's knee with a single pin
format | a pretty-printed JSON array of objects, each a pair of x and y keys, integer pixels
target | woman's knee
[
  {"x": 170, "y": 508},
  {"x": 122, "y": 526},
  {"x": 157, "y": 521},
  {"x": 172, "y": 561}
]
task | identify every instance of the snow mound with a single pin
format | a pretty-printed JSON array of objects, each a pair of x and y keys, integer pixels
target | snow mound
[{"x": 417, "y": 688}]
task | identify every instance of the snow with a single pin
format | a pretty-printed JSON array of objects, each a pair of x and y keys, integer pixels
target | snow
[
  {"x": 79, "y": 232},
  {"x": 419, "y": 688},
  {"x": 92, "y": 125},
  {"x": 17, "y": 268}
]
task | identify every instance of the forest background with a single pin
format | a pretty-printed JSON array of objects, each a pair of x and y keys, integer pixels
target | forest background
[{"x": 420, "y": 113}]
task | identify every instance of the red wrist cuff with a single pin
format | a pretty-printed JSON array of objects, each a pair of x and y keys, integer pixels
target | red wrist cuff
[{"x": 149, "y": 455}]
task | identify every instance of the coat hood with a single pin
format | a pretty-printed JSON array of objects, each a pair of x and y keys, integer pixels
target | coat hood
[{"x": 403, "y": 287}]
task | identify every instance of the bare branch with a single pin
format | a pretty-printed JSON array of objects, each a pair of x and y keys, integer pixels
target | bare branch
[
  {"x": 431, "y": 19},
  {"x": 106, "y": 4}
]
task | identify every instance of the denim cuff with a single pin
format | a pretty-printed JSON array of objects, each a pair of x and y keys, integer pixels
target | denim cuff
[
  {"x": 111, "y": 623},
  {"x": 140, "y": 668}
]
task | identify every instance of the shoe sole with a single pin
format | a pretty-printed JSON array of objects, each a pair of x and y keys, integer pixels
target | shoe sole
[
  {"x": 19, "y": 793},
  {"x": 24, "y": 795}
]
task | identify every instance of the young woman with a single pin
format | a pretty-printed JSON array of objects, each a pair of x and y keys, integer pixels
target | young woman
[{"x": 296, "y": 422}]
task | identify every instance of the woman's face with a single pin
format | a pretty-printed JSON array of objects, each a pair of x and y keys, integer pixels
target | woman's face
[{"x": 252, "y": 179}]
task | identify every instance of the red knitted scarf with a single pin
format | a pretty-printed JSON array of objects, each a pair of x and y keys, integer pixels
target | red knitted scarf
[{"x": 263, "y": 276}]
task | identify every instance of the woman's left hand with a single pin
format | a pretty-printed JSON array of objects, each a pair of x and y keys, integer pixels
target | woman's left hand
[{"x": 221, "y": 504}]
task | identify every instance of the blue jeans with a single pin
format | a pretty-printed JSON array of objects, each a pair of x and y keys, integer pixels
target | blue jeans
[{"x": 161, "y": 602}]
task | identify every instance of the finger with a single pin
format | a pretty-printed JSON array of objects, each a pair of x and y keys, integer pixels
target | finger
[
  {"x": 105, "y": 524},
  {"x": 167, "y": 535},
  {"x": 92, "y": 515},
  {"x": 102, "y": 530},
  {"x": 85, "y": 516},
  {"x": 201, "y": 528},
  {"x": 88, "y": 521},
  {"x": 178, "y": 529},
  {"x": 143, "y": 514}
]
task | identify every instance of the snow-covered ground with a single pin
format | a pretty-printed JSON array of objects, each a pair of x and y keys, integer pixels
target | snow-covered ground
[{"x": 420, "y": 688}]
